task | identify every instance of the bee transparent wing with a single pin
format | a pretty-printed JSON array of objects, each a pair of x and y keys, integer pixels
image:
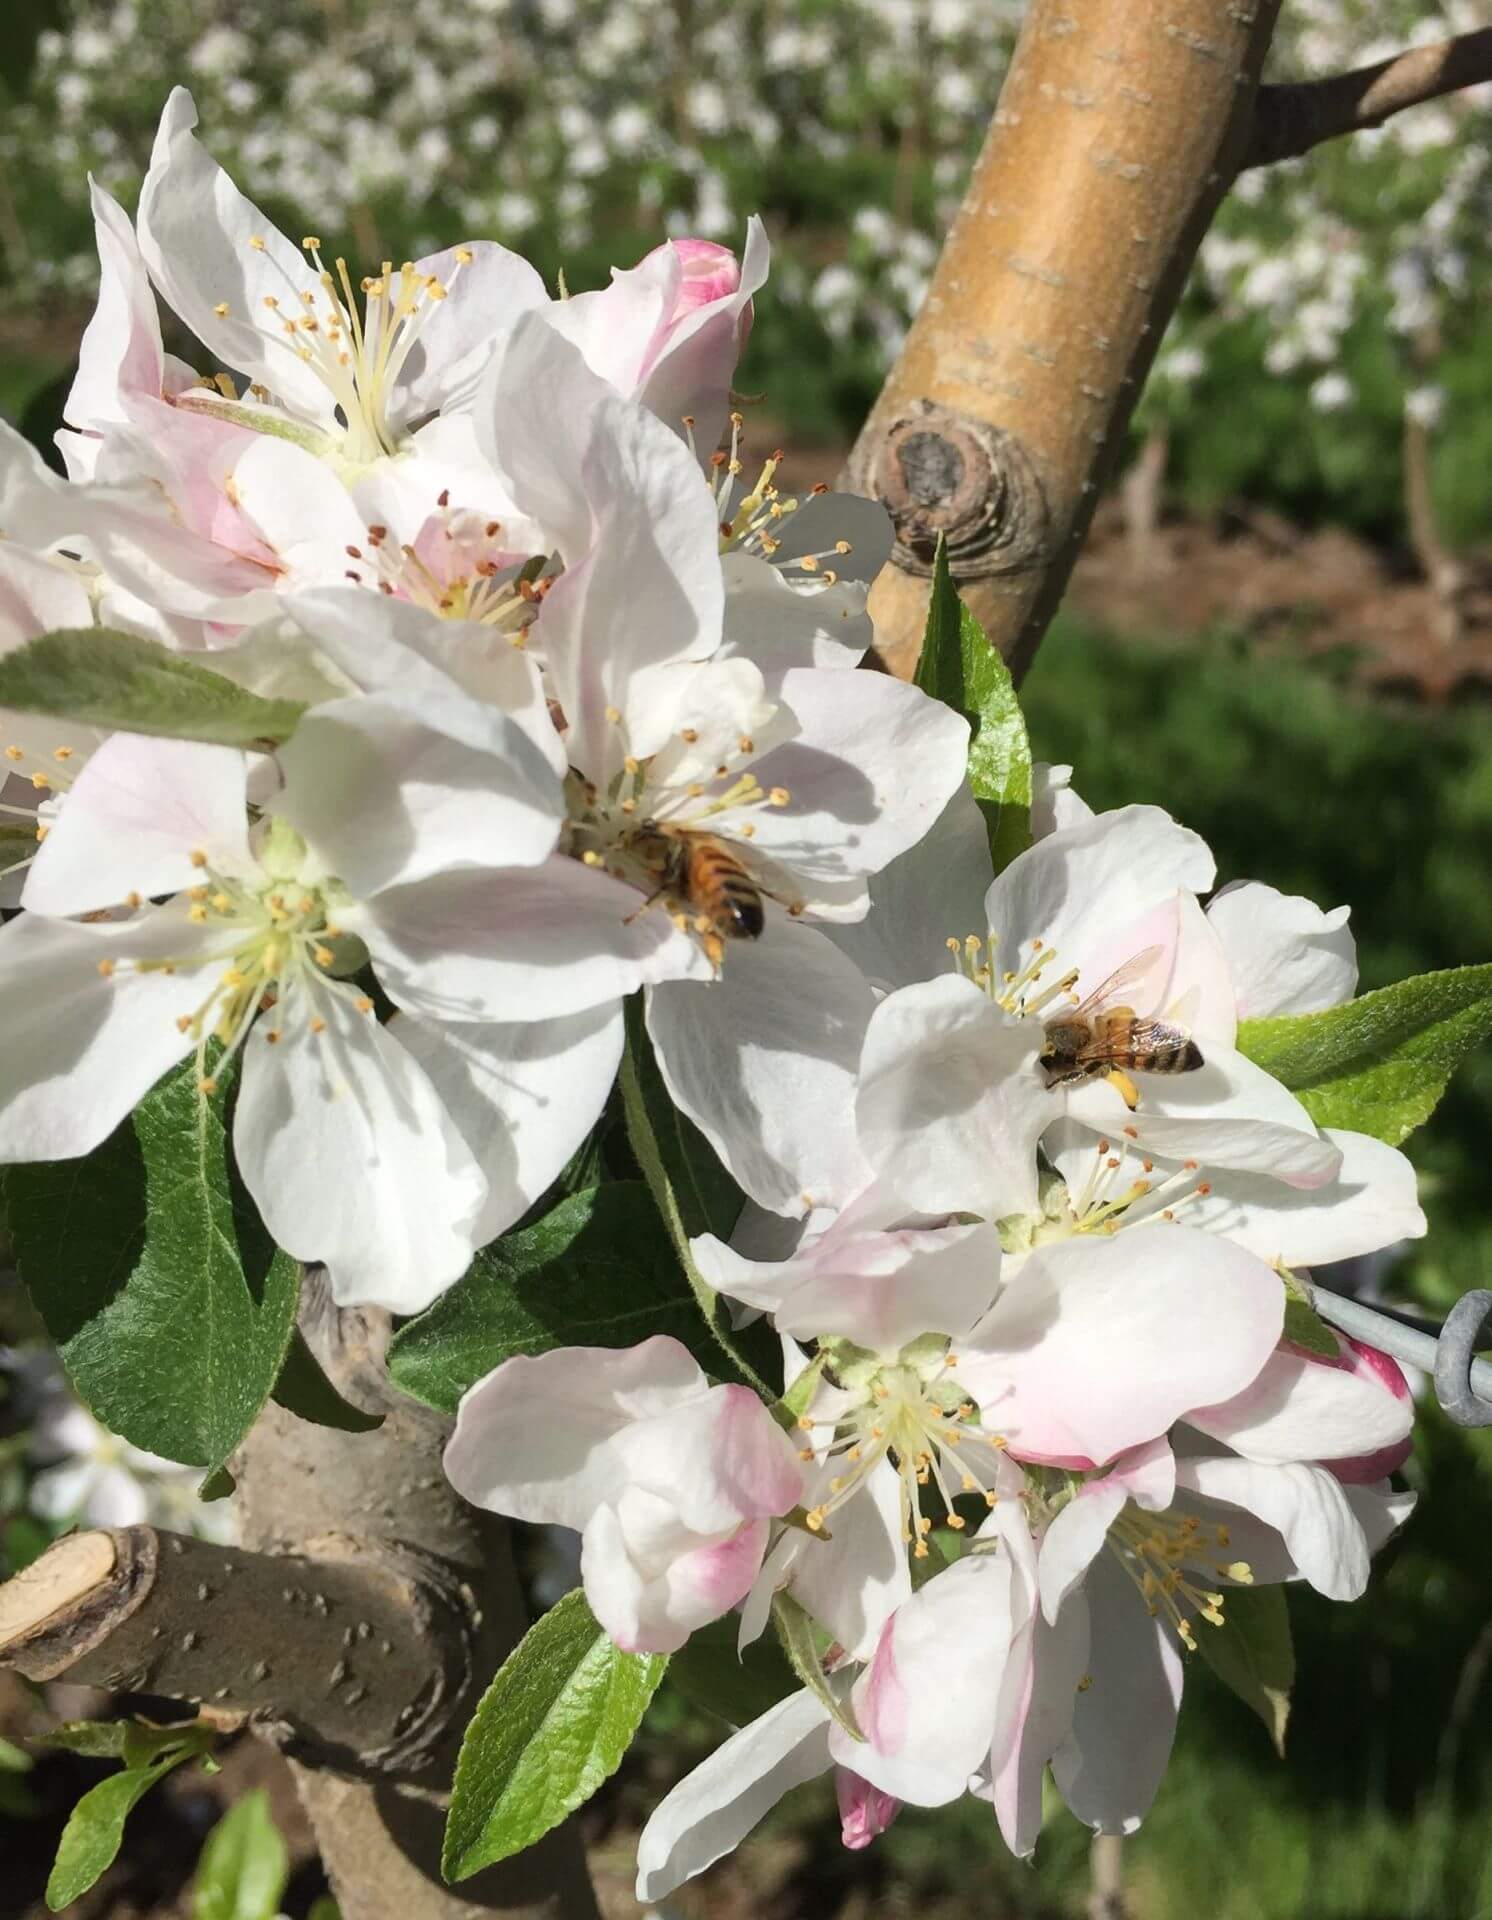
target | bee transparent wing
[
  {"x": 1121, "y": 980},
  {"x": 1155, "y": 1036}
]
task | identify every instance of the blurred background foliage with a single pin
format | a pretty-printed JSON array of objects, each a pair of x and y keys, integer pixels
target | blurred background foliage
[{"x": 1337, "y": 313}]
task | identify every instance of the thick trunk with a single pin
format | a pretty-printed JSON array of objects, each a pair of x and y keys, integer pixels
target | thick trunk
[
  {"x": 1118, "y": 131},
  {"x": 355, "y": 1628}
]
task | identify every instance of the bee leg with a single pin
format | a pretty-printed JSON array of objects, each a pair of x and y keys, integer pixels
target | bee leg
[
  {"x": 1126, "y": 1089},
  {"x": 651, "y": 901}
]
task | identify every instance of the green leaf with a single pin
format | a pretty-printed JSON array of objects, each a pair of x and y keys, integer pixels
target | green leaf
[
  {"x": 795, "y": 1629},
  {"x": 108, "y": 679},
  {"x": 961, "y": 667},
  {"x": 1305, "y": 1328},
  {"x": 1252, "y": 1654},
  {"x": 169, "y": 1305},
  {"x": 244, "y": 1867},
  {"x": 1380, "y": 1063},
  {"x": 597, "y": 1271},
  {"x": 14, "y": 1759},
  {"x": 689, "y": 1186},
  {"x": 17, "y": 843},
  {"x": 552, "y": 1726},
  {"x": 304, "y": 1390},
  {"x": 95, "y": 1827},
  {"x": 734, "y": 1687},
  {"x": 98, "y": 1739}
]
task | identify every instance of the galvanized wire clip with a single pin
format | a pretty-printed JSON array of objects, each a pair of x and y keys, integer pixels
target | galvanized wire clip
[{"x": 1463, "y": 1383}]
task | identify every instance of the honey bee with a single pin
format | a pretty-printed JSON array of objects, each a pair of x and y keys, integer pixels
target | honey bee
[
  {"x": 704, "y": 878},
  {"x": 1103, "y": 1038}
]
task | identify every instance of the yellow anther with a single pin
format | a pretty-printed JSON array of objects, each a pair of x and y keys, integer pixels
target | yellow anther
[
  {"x": 363, "y": 1004},
  {"x": 323, "y": 956},
  {"x": 311, "y": 243},
  {"x": 957, "y": 1522},
  {"x": 62, "y": 753},
  {"x": 14, "y": 753},
  {"x": 221, "y": 902},
  {"x": 256, "y": 241},
  {"x": 197, "y": 914},
  {"x": 778, "y": 797},
  {"x": 207, "y": 1085},
  {"x": 41, "y": 782},
  {"x": 106, "y": 968},
  {"x": 183, "y": 1023},
  {"x": 198, "y": 857},
  {"x": 632, "y": 763},
  {"x": 133, "y": 899},
  {"x": 590, "y": 858},
  {"x": 613, "y": 716},
  {"x": 221, "y": 309},
  {"x": 463, "y": 256},
  {"x": 318, "y": 1025}
]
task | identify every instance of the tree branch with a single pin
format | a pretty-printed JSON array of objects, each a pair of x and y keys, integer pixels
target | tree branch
[
  {"x": 355, "y": 1628},
  {"x": 1118, "y": 131},
  {"x": 1290, "y": 119}
]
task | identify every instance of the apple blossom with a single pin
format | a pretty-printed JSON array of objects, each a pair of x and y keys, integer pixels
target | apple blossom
[
  {"x": 390, "y": 1152},
  {"x": 671, "y": 1482}
]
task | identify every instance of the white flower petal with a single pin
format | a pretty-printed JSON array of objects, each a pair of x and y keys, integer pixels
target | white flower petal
[
  {"x": 521, "y": 943},
  {"x": 352, "y": 1159},
  {"x": 78, "y": 1048},
  {"x": 951, "y": 1101},
  {"x": 196, "y": 230},
  {"x": 763, "y": 1062},
  {"x": 1308, "y": 1524},
  {"x": 779, "y": 625},
  {"x": 523, "y": 1096},
  {"x": 1100, "y": 1345},
  {"x": 134, "y": 818},
  {"x": 486, "y": 290},
  {"x": 537, "y": 1438},
  {"x": 1084, "y": 883},
  {"x": 1305, "y": 1409},
  {"x": 390, "y": 793},
  {"x": 1285, "y": 954},
  {"x": 712, "y": 1809},
  {"x": 121, "y": 351},
  {"x": 873, "y": 765},
  {"x": 1109, "y": 1768}
]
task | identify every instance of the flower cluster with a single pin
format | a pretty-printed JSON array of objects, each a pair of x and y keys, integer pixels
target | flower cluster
[
  {"x": 1045, "y": 1413},
  {"x": 527, "y": 693}
]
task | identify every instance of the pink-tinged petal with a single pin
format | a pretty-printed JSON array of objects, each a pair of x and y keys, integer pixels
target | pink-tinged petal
[
  {"x": 1079, "y": 886},
  {"x": 521, "y": 943},
  {"x": 83, "y": 1035},
  {"x": 391, "y": 793},
  {"x": 651, "y": 1582},
  {"x": 1146, "y": 1476},
  {"x": 120, "y": 357},
  {"x": 928, "y": 1700},
  {"x": 620, "y": 327},
  {"x": 1283, "y": 1521},
  {"x": 763, "y": 1061},
  {"x": 879, "y": 1288},
  {"x": 538, "y": 451},
  {"x": 1303, "y": 1408},
  {"x": 39, "y": 593},
  {"x": 196, "y": 234},
  {"x": 523, "y": 1095},
  {"x": 718, "y": 1460},
  {"x": 1099, "y": 1346},
  {"x": 951, "y": 1101},
  {"x": 873, "y": 765},
  {"x": 1284, "y": 953},
  {"x": 351, "y": 1158},
  {"x": 691, "y": 371},
  {"x": 864, "y": 1811},
  {"x": 133, "y": 820},
  {"x": 1111, "y": 1764},
  {"x": 1037, "y": 1721},
  {"x": 306, "y": 518},
  {"x": 713, "y": 1808},
  {"x": 536, "y": 1438},
  {"x": 708, "y": 272},
  {"x": 1228, "y": 1113}
]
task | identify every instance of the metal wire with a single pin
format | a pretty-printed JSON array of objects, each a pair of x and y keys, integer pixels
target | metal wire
[{"x": 1463, "y": 1384}]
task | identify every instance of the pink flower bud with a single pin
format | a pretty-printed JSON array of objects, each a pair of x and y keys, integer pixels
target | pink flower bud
[
  {"x": 1374, "y": 1369},
  {"x": 710, "y": 273},
  {"x": 864, "y": 1811}
]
